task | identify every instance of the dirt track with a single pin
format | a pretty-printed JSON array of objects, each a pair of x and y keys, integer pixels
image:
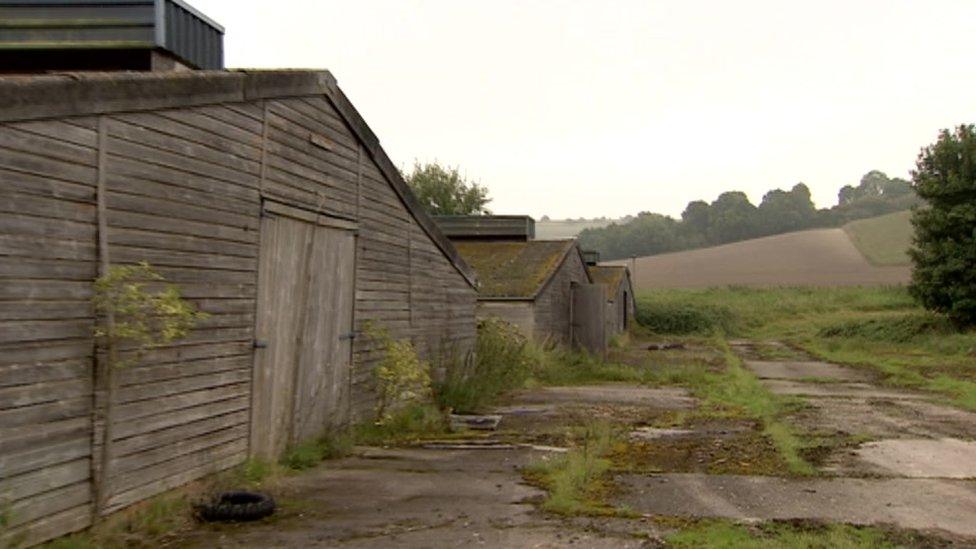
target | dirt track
[{"x": 820, "y": 257}]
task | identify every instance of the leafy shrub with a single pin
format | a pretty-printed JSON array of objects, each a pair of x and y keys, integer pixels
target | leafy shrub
[
  {"x": 503, "y": 361},
  {"x": 142, "y": 318},
  {"x": 401, "y": 377},
  {"x": 894, "y": 329},
  {"x": 683, "y": 318}
]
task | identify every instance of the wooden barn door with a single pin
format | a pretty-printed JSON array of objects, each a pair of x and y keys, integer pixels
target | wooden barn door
[
  {"x": 304, "y": 320},
  {"x": 589, "y": 318}
]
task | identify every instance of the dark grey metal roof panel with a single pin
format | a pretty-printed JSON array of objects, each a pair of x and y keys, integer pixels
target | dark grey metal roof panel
[
  {"x": 190, "y": 36},
  {"x": 487, "y": 227},
  {"x": 171, "y": 25}
]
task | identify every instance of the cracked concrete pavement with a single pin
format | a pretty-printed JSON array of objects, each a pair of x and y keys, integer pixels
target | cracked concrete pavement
[{"x": 918, "y": 471}]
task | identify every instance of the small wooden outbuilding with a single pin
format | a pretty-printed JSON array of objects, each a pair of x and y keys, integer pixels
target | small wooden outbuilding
[
  {"x": 267, "y": 199},
  {"x": 620, "y": 296},
  {"x": 540, "y": 286}
]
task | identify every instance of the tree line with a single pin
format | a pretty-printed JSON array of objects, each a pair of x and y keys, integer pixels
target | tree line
[{"x": 732, "y": 217}]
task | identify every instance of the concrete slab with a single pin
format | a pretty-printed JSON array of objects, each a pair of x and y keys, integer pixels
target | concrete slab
[
  {"x": 838, "y": 390},
  {"x": 652, "y": 433},
  {"x": 525, "y": 410},
  {"x": 922, "y": 458},
  {"x": 799, "y": 370},
  {"x": 949, "y": 505},
  {"x": 663, "y": 397},
  {"x": 413, "y": 498}
]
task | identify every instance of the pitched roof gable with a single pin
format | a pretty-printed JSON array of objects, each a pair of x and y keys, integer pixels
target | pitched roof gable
[
  {"x": 515, "y": 269},
  {"x": 611, "y": 275},
  {"x": 37, "y": 97}
]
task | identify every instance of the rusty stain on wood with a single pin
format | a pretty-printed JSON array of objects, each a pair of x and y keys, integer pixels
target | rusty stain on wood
[{"x": 321, "y": 142}]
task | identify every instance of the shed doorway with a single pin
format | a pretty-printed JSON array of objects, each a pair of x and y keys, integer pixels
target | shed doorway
[
  {"x": 303, "y": 339},
  {"x": 589, "y": 324}
]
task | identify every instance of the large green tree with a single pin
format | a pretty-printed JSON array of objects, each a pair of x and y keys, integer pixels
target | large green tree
[
  {"x": 782, "y": 211},
  {"x": 732, "y": 217},
  {"x": 443, "y": 191},
  {"x": 944, "y": 254}
]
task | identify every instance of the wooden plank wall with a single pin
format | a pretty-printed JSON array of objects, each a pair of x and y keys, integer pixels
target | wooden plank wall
[
  {"x": 183, "y": 194},
  {"x": 184, "y": 189},
  {"x": 552, "y": 308},
  {"x": 403, "y": 281},
  {"x": 48, "y": 258}
]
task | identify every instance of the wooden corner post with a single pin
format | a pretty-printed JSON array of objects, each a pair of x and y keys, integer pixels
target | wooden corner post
[{"x": 106, "y": 355}]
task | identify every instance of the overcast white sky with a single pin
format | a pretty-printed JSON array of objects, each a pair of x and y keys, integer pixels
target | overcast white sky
[{"x": 591, "y": 108}]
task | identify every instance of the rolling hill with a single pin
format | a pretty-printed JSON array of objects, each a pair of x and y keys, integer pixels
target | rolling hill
[
  {"x": 883, "y": 240},
  {"x": 556, "y": 229},
  {"x": 818, "y": 257}
]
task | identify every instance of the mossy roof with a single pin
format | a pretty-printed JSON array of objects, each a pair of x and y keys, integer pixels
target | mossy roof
[
  {"x": 611, "y": 275},
  {"x": 517, "y": 270}
]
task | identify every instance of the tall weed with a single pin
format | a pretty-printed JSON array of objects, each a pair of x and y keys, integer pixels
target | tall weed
[
  {"x": 503, "y": 361},
  {"x": 575, "y": 479}
]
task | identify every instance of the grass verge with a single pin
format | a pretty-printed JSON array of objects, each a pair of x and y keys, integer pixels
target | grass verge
[
  {"x": 788, "y": 535},
  {"x": 149, "y": 524},
  {"x": 576, "y": 481},
  {"x": 728, "y": 390}
]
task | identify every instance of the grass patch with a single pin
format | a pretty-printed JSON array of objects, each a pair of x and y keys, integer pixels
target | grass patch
[
  {"x": 780, "y": 535},
  {"x": 309, "y": 453},
  {"x": 145, "y": 525},
  {"x": 410, "y": 424},
  {"x": 728, "y": 390},
  {"x": 903, "y": 327},
  {"x": 873, "y": 327},
  {"x": 670, "y": 317},
  {"x": 576, "y": 481},
  {"x": 746, "y": 312},
  {"x": 564, "y": 367},
  {"x": 740, "y": 388},
  {"x": 506, "y": 360}
]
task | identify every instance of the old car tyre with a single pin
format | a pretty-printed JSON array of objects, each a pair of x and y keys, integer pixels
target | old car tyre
[{"x": 237, "y": 506}]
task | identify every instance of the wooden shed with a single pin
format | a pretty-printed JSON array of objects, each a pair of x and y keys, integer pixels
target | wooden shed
[
  {"x": 540, "y": 286},
  {"x": 268, "y": 200},
  {"x": 530, "y": 284},
  {"x": 620, "y": 296}
]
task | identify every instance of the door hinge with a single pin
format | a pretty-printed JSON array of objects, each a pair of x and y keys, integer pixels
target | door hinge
[
  {"x": 349, "y": 335},
  {"x": 259, "y": 344}
]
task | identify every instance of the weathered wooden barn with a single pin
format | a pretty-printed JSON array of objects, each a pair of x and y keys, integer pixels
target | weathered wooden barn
[
  {"x": 621, "y": 306},
  {"x": 268, "y": 200},
  {"x": 541, "y": 286}
]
